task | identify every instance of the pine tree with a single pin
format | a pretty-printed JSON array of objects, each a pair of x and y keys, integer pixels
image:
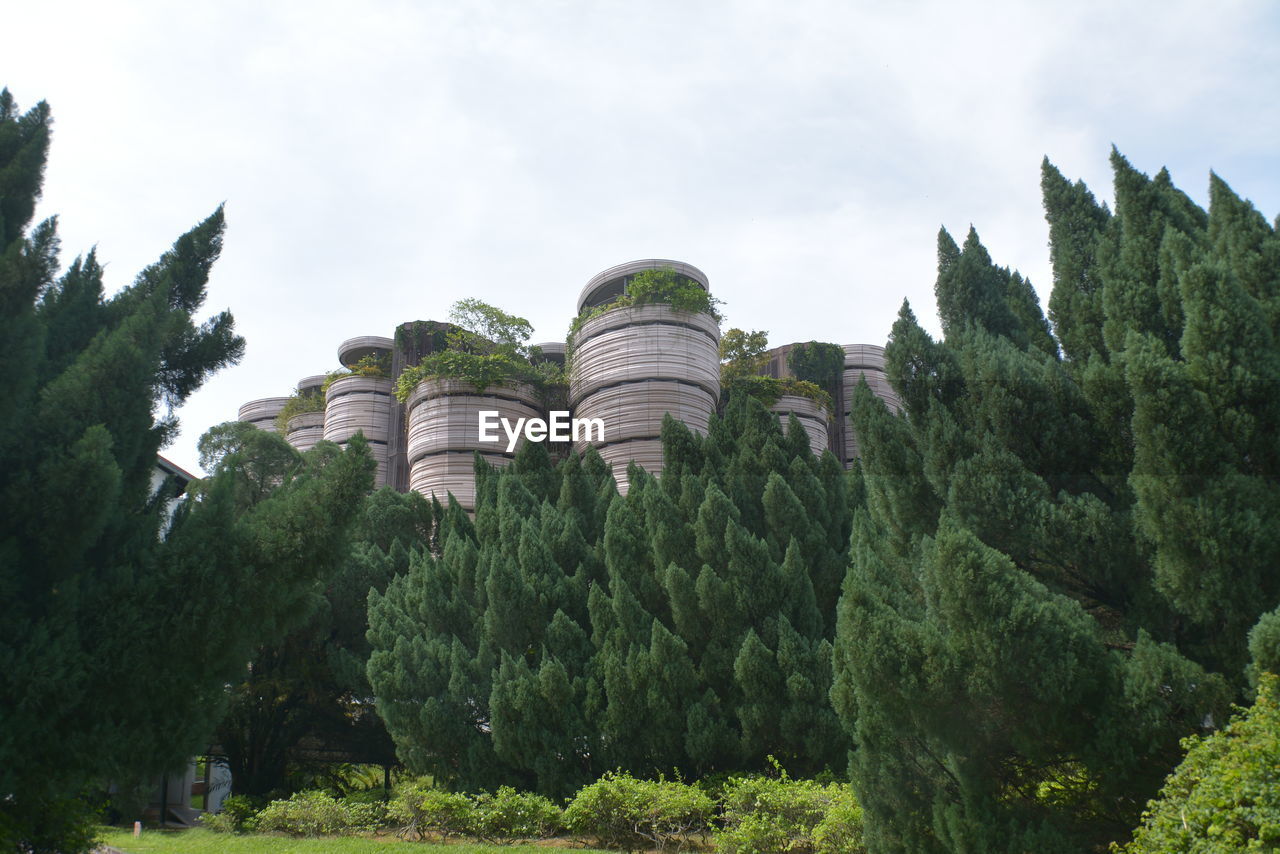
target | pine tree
[
  {"x": 311, "y": 685},
  {"x": 1059, "y": 560},
  {"x": 680, "y": 628},
  {"x": 94, "y": 587}
]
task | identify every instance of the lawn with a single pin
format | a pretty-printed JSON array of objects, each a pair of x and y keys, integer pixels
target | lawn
[{"x": 200, "y": 841}]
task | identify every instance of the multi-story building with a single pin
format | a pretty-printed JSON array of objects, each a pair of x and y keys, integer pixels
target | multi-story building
[{"x": 630, "y": 366}]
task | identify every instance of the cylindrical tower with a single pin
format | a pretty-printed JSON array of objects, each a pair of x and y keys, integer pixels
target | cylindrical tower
[
  {"x": 312, "y": 384},
  {"x": 304, "y": 430},
  {"x": 444, "y": 434},
  {"x": 632, "y": 365},
  {"x": 262, "y": 413},
  {"x": 361, "y": 403},
  {"x": 863, "y": 361},
  {"x": 355, "y": 403},
  {"x": 813, "y": 417}
]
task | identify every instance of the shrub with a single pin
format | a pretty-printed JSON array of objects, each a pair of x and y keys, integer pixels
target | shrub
[
  {"x": 479, "y": 369},
  {"x": 620, "y": 811},
  {"x": 775, "y": 815},
  {"x": 508, "y": 815},
  {"x": 297, "y": 405},
  {"x": 1225, "y": 796},
  {"x": 238, "y": 814},
  {"x": 317, "y": 814},
  {"x": 840, "y": 831},
  {"x": 421, "y": 809},
  {"x": 817, "y": 362},
  {"x": 648, "y": 287}
]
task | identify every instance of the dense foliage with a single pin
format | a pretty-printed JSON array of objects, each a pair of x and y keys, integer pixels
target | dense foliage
[
  {"x": 776, "y": 815},
  {"x": 298, "y": 404},
  {"x": 527, "y": 649},
  {"x": 620, "y": 811},
  {"x": 664, "y": 286},
  {"x": 1067, "y": 537},
  {"x": 818, "y": 362},
  {"x": 309, "y": 687},
  {"x": 484, "y": 347},
  {"x": 743, "y": 356},
  {"x": 745, "y": 815},
  {"x": 95, "y": 582},
  {"x": 1225, "y": 796},
  {"x": 374, "y": 365},
  {"x": 316, "y": 814}
]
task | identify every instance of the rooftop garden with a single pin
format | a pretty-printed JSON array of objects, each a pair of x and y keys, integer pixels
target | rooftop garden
[
  {"x": 298, "y": 404},
  {"x": 486, "y": 347},
  {"x": 664, "y": 287},
  {"x": 744, "y": 356}
]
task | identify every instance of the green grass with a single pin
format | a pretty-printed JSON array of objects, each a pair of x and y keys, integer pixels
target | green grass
[{"x": 200, "y": 841}]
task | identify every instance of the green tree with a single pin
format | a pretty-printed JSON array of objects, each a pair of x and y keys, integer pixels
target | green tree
[
  {"x": 1059, "y": 558},
  {"x": 818, "y": 362},
  {"x": 743, "y": 354},
  {"x": 93, "y": 590},
  {"x": 1225, "y": 795},
  {"x": 311, "y": 684},
  {"x": 527, "y": 650}
]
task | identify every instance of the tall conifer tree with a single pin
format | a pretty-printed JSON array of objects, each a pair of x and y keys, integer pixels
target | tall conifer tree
[
  {"x": 95, "y": 584},
  {"x": 1059, "y": 561}
]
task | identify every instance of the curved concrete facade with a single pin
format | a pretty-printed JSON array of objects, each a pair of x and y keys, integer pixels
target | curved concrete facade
[
  {"x": 443, "y": 433},
  {"x": 262, "y": 413},
  {"x": 863, "y": 361},
  {"x": 309, "y": 385},
  {"x": 813, "y": 418},
  {"x": 354, "y": 349},
  {"x": 607, "y": 284},
  {"x": 304, "y": 430},
  {"x": 631, "y": 366},
  {"x": 358, "y": 403}
]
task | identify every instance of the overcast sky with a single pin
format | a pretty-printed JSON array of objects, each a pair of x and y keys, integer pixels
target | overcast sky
[{"x": 380, "y": 160}]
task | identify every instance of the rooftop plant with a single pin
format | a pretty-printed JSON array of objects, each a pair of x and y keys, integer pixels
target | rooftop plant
[
  {"x": 818, "y": 362},
  {"x": 297, "y": 405},
  {"x": 486, "y": 347},
  {"x": 373, "y": 365},
  {"x": 745, "y": 354},
  {"x": 662, "y": 286}
]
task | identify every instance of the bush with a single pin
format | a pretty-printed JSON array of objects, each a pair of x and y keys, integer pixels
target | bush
[
  {"x": 776, "y": 815},
  {"x": 317, "y": 814},
  {"x": 620, "y": 811},
  {"x": 421, "y": 809},
  {"x": 238, "y": 814},
  {"x": 508, "y": 815},
  {"x": 297, "y": 405},
  {"x": 840, "y": 831},
  {"x": 1225, "y": 796}
]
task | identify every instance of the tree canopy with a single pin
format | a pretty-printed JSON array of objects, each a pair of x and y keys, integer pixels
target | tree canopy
[
  {"x": 530, "y": 648},
  {"x": 1065, "y": 540},
  {"x": 96, "y": 586}
]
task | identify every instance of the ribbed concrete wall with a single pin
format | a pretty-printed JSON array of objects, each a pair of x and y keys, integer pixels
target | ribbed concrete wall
[
  {"x": 607, "y": 284},
  {"x": 443, "y": 433},
  {"x": 304, "y": 430},
  {"x": 812, "y": 417},
  {"x": 311, "y": 384},
  {"x": 632, "y": 365},
  {"x": 262, "y": 413},
  {"x": 354, "y": 349},
  {"x": 360, "y": 403},
  {"x": 863, "y": 361}
]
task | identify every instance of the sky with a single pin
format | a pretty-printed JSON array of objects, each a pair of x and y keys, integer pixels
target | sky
[{"x": 381, "y": 160}]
